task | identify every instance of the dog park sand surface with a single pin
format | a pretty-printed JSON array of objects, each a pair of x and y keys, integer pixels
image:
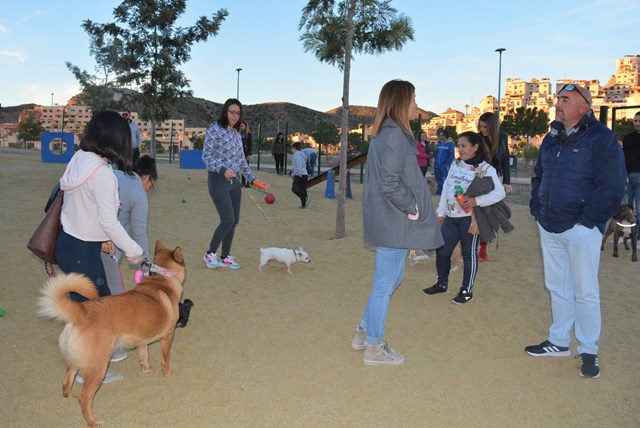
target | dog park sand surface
[{"x": 271, "y": 349}]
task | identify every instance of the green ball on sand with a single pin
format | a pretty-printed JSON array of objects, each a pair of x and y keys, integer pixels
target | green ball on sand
[{"x": 184, "y": 201}]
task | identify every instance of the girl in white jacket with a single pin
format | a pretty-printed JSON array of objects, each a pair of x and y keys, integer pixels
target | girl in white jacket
[
  {"x": 454, "y": 217},
  {"x": 89, "y": 214}
]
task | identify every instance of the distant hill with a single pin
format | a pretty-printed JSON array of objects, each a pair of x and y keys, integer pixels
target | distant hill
[
  {"x": 369, "y": 112},
  {"x": 198, "y": 112},
  {"x": 12, "y": 113}
]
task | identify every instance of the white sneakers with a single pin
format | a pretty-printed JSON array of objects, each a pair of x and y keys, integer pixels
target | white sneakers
[
  {"x": 381, "y": 354},
  {"x": 213, "y": 261},
  {"x": 375, "y": 355}
]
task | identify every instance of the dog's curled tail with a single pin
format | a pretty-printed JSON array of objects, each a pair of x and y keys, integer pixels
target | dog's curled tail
[{"x": 55, "y": 303}]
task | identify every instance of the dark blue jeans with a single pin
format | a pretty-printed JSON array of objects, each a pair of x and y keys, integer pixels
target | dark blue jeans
[
  {"x": 226, "y": 197},
  {"x": 74, "y": 255},
  {"x": 456, "y": 230}
]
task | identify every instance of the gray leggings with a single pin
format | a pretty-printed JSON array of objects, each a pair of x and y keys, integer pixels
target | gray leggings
[{"x": 226, "y": 197}]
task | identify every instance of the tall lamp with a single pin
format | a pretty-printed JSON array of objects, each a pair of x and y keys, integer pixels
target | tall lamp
[
  {"x": 238, "y": 86},
  {"x": 499, "y": 50}
]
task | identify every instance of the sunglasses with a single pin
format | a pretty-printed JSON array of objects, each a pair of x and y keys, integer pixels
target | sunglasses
[{"x": 571, "y": 87}]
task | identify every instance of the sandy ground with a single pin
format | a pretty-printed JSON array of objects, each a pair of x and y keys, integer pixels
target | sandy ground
[{"x": 271, "y": 349}]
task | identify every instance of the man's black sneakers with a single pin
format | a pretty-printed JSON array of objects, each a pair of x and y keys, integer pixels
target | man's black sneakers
[
  {"x": 589, "y": 367},
  {"x": 547, "y": 349}
]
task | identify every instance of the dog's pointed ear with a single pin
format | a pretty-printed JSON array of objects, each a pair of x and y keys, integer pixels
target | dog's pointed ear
[
  {"x": 159, "y": 246},
  {"x": 300, "y": 249},
  {"x": 177, "y": 255}
]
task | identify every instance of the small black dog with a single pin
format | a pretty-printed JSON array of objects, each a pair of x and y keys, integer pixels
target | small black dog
[
  {"x": 623, "y": 225},
  {"x": 185, "y": 310}
]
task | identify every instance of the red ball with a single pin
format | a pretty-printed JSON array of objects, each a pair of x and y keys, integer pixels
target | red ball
[{"x": 270, "y": 198}]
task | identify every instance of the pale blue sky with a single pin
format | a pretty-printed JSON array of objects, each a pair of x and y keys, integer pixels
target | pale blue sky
[{"x": 452, "y": 61}]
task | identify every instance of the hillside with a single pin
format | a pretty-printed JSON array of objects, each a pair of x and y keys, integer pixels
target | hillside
[
  {"x": 11, "y": 114},
  {"x": 368, "y": 112},
  {"x": 272, "y": 117}
]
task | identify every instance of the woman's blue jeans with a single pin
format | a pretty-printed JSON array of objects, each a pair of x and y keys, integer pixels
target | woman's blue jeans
[{"x": 389, "y": 271}]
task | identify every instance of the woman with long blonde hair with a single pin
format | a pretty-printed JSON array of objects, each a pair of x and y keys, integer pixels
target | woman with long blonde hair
[{"x": 397, "y": 213}]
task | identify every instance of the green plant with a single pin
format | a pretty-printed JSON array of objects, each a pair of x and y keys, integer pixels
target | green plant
[{"x": 530, "y": 152}]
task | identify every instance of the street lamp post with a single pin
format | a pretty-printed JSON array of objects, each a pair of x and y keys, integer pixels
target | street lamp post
[
  {"x": 51, "y": 111},
  {"x": 499, "y": 50},
  {"x": 238, "y": 86}
]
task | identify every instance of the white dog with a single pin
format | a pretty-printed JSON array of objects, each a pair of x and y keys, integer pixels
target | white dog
[{"x": 285, "y": 256}]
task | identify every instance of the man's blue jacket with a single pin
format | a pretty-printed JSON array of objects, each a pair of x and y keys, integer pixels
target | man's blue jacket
[{"x": 579, "y": 176}]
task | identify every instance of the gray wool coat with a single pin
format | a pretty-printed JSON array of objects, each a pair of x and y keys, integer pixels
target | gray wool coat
[{"x": 393, "y": 187}]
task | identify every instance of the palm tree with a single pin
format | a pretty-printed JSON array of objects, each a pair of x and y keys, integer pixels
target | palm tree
[{"x": 335, "y": 28}]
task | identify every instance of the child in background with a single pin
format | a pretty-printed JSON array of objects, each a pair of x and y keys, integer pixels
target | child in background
[
  {"x": 454, "y": 217},
  {"x": 299, "y": 174}
]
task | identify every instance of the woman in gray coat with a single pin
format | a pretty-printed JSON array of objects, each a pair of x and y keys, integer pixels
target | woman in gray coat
[{"x": 397, "y": 213}]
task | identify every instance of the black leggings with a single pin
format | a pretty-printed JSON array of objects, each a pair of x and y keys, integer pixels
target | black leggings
[
  {"x": 299, "y": 187},
  {"x": 454, "y": 230},
  {"x": 279, "y": 158}
]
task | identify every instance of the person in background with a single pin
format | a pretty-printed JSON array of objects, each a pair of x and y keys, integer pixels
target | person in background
[
  {"x": 299, "y": 174},
  {"x": 247, "y": 145},
  {"x": 223, "y": 155},
  {"x": 578, "y": 183},
  {"x": 424, "y": 153},
  {"x": 277, "y": 151},
  {"x": 455, "y": 218},
  {"x": 133, "y": 214},
  {"x": 397, "y": 214},
  {"x": 444, "y": 156},
  {"x": 136, "y": 141},
  {"x": 631, "y": 149},
  {"x": 499, "y": 151},
  {"x": 89, "y": 214},
  {"x": 312, "y": 159}
]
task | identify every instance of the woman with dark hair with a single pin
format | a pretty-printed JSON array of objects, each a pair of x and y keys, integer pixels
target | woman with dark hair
[
  {"x": 499, "y": 158},
  {"x": 225, "y": 160},
  {"x": 397, "y": 214},
  {"x": 277, "y": 151},
  {"x": 454, "y": 215},
  {"x": 424, "y": 153},
  {"x": 89, "y": 214}
]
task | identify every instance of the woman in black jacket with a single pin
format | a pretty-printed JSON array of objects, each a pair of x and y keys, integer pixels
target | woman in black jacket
[{"x": 497, "y": 143}]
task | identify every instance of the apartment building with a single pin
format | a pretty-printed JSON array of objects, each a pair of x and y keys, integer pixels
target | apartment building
[
  {"x": 520, "y": 93},
  {"x": 628, "y": 70}
]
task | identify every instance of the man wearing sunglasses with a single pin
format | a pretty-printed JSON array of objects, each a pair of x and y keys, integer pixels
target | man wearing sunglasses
[{"x": 578, "y": 183}]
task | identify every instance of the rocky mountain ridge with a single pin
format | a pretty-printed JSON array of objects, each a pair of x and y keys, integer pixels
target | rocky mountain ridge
[{"x": 267, "y": 118}]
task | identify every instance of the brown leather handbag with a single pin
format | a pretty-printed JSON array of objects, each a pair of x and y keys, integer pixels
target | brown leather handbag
[{"x": 43, "y": 241}]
